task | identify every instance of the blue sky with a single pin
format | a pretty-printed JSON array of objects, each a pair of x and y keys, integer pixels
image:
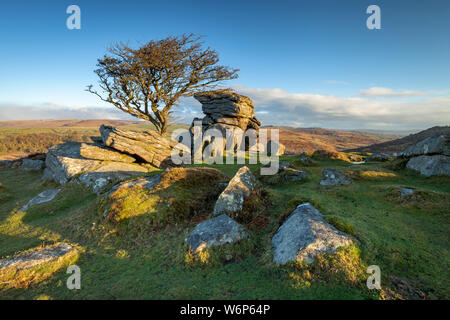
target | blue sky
[{"x": 305, "y": 63}]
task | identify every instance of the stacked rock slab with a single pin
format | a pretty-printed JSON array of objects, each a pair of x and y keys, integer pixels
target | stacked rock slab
[
  {"x": 147, "y": 145},
  {"x": 65, "y": 163},
  {"x": 430, "y": 157},
  {"x": 116, "y": 156},
  {"x": 225, "y": 109}
]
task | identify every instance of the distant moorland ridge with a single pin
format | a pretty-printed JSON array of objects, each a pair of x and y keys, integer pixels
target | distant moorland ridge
[
  {"x": 298, "y": 140},
  {"x": 58, "y": 123},
  {"x": 21, "y": 137},
  {"x": 398, "y": 145}
]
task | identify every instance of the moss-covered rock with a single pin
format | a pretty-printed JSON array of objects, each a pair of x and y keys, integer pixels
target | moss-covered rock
[{"x": 181, "y": 194}]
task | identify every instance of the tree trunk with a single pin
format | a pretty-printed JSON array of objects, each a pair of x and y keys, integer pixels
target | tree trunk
[{"x": 163, "y": 129}]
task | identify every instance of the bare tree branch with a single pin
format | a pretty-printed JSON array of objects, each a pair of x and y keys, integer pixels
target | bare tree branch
[{"x": 148, "y": 81}]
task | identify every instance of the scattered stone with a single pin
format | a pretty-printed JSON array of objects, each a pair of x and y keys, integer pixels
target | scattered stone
[
  {"x": 379, "y": 157},
  {"x": 286, "y": 172},
  {"x": 291, "y": 174},
  {"x": 334, "y": 177},
  {"x": 149, "y": 145},
  {"x": 33, "y": 258},
  {"x": 306, "y": 234},
  {"x": 44, "y": 196},
  {"x": 14, "y": 164},
  {"x": 281, "y": 165},
  {"x": 32, "y": 165},
  {"x": 438, "y": 144},
  {"x": 232, "y": 198},
  {"x": 406, "y": 192},
  {"x": 430, "y": 165},
  {"x": 215, "y": 232},
  {"x": 304, "y": 159},
  {"x": 5, "y": 163},
  {"x": 96, "y": 152}
]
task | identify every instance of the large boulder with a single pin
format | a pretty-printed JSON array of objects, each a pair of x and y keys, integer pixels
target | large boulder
[
  {"x": 65, "y": 163},
  {"x": 334, "y": 177},
  {"x": 438, "y": 144},
  {"x": 148, "y": 145},
  {"x": 431, "y": 156},
  {"x": 430, "y": 165},
  {"x": 98, "y": 152},
  {"x": 44, "y": 196},
  {"x": 232, "y": 199},
  {"x": 306, "y": 234},
  {"x": 215, "y": 232}
]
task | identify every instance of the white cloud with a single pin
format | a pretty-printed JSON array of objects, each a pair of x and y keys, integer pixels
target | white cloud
[
  {"x": 387, "y": 92},
  {"x": 51, "y": 110},
  {"x": 278, "y": 107},
  {"x": 311, "y": 110}
]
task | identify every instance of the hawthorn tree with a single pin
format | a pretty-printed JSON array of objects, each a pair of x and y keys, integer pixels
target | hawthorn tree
[{"x": 148, "y": 81}]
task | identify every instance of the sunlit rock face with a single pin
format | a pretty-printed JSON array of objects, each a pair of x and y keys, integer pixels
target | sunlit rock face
[
  {"x": 225, "y": 109},
  {"x": 149, "y": 146},
  {"x": 306, "y": 234},
  {"x": 430, "y": 157},
  {"x": 232, "y": 199},
  {"x": 215, "y": 232}
]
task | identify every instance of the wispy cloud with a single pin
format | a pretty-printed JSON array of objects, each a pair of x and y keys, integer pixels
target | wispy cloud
[
  {"x": 344, "y": 83},
  {"x": 388, "y": 92},
  {"x": 50, "y": 110},
  {"x": 278, "y": 107}
]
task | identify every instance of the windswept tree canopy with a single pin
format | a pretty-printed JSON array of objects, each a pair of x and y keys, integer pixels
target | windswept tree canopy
[{"x": 147, "y": 82}]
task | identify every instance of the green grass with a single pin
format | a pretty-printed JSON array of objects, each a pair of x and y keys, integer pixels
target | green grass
[{"x": 407, "y": 238}]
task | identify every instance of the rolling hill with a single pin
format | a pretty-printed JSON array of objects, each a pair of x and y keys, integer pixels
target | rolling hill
[
  {"x": 21, "y": 137},
  {"x": 298, "y": 140},
  {"x": 398, "y": 145}
]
